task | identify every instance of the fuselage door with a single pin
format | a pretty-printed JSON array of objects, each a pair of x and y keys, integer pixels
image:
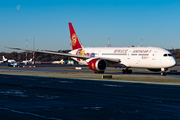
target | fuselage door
[
  {"x": 128, "y": 55},
  {"x": 154, "y": 55}
]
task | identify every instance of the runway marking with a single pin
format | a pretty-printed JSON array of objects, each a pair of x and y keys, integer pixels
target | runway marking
[
  {"x": 14, "y": 93},
  {"x": 109, "y": 85},
  {"x": 65, "y": 82},
  {"x": 47, "y": 97},
  {"x": 27, "y": 113}
]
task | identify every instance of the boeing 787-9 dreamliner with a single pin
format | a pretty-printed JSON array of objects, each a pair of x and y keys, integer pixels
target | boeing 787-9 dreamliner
[{"x": 99, "y": 58}]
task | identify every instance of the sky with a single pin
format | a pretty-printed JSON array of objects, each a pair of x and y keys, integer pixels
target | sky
[{"x": 124, "y": 22}]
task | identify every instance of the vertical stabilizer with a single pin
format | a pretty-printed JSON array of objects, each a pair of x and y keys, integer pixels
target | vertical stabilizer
[
  {"x": 4, "y": 59},
  {"x": 31, "y": 60},
  {"x": 74, "y": 39}
]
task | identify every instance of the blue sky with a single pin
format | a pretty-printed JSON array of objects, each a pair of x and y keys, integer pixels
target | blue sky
[{"x": 125, "y": 22}]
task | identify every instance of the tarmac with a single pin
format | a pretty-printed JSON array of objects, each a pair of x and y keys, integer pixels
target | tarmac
[
  {"x": 35, "y": 97},
  {"x": 27, "y": 97}
]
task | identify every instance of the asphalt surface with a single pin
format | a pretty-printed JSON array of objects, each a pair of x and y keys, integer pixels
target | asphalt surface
[
  {"x": 27, "y": 98},
  {"x": 71, "y": 69}
]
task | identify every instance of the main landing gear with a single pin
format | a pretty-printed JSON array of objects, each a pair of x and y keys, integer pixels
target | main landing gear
[{"x": 126, "y": 71}]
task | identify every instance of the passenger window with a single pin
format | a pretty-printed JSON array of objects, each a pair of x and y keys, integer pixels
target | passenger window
[{"x": 165, "y": 55}]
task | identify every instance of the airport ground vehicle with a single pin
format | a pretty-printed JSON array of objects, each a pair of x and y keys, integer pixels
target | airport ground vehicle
[{"x": 15, "y": 64}]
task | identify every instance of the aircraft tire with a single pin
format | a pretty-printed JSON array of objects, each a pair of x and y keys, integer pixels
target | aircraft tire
[
  {"x": 163, "y": 74},
  {"x": 126, "y": 71},
  {"x": 123, "y": 71},
  {"x": 129, "y": 71}
]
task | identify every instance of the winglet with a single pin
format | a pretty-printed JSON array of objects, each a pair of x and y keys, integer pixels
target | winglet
[{"x": 74, "y": 39}]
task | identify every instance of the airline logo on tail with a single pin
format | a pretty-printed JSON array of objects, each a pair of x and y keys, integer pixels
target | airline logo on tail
[{"x": 74, "y": 39}]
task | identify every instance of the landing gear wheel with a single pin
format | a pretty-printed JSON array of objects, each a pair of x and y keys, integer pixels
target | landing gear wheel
[
  {"x": 126, "y": 71},
  {"x": 129, "y": 71},
  {"x": 123, "y": 71},
  {"x": 163, "y": 74}
]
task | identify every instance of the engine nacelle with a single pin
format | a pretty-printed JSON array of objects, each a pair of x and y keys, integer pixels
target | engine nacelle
[{"x": 97, "y": 64}]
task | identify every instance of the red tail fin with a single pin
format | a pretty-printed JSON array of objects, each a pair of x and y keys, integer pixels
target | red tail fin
[{"x": 74, "y": 39}]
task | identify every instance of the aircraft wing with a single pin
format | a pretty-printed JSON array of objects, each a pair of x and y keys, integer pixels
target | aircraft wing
[{"x": 68, "y": 54}]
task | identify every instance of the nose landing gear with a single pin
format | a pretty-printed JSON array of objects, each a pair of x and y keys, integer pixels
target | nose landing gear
[{"x": 163, "y": 73}]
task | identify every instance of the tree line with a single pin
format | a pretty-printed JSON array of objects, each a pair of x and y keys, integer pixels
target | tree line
[
  {"x": 21, "y": 56},
  {"x": 176, "y": 53}
]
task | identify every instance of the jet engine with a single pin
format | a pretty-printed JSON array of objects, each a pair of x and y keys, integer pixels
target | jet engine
[{"x": 97, "y": 64}]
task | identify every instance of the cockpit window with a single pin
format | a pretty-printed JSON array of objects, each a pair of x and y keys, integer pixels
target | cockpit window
[
  {"x": 165, "y": 55},
  {"x": 169, "y": 55}
]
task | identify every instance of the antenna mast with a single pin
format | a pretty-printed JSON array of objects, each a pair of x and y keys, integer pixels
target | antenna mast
[
  {"x": 33, "y": 49},
  {"x": 26, "y": 49}
]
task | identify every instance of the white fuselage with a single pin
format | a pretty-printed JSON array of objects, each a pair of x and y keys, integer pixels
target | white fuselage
[
  {"x": 137, "y": 57},
  {"x": 11, "y": 61},
  {"x": 27, "y": 61}
]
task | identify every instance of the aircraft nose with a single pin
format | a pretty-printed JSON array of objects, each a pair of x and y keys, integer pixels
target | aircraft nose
[{"x": 173, "y": 62}]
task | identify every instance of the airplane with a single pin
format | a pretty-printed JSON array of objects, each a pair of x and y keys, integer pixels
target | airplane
[
  {"x": 8, "y": 61},
  {"x": 27, "y": 61},
  {"x": 99, "y": 58},
  {"x": 11, "y": 63},
  {"x": 3, "y": 61},
  {"x": 58, "y": 62}
]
